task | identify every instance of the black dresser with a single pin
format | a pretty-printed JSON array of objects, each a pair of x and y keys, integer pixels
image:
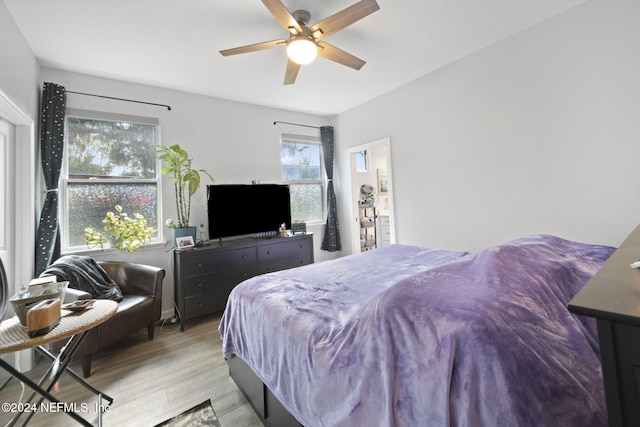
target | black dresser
[
  {"x": 204, "y": 276},
  {"x": 612, "y": 297}
]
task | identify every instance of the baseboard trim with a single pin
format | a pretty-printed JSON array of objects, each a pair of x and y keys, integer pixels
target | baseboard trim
[{"x": 167, "y": 314}]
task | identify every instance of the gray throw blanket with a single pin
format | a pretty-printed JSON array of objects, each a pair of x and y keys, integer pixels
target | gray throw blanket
[{"x": 84, "y": 273}]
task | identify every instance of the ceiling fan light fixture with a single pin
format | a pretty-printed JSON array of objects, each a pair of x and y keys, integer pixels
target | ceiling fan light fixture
[
  {"x": 302, "y": 50},
  {"x": 305, "y": 43}
]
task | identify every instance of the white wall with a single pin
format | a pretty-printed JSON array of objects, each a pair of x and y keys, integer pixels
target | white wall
[
  {"x": 235, "y": 142},
  {"x": 19, "y": 98},
  {"x": 19, "y": 82},
  {"x": 536, "y": 134},
  {"x": 20, "y": 72}
]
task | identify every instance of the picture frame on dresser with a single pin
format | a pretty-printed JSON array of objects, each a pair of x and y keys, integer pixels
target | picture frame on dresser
[{"x": 185, "y": 242}]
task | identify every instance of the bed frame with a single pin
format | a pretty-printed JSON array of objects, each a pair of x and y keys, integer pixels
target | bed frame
[{"x": 264, "y": 403}]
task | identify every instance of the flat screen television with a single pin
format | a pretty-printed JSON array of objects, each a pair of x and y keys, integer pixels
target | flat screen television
[{"x": 240, "y": 210}]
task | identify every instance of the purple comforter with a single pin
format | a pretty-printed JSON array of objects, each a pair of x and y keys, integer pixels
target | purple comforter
[{"x": 408, "y": 336}]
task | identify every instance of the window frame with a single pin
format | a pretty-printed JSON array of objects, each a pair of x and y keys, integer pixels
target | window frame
[
  {"x": 315, "y": 140},
  {"x": 64, "y": 179}
]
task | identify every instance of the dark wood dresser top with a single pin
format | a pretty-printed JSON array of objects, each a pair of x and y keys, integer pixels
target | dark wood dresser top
[{"x": 613, "y": 293}]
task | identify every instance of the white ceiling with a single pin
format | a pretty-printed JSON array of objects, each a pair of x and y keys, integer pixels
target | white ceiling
[{"x": 174, "y": 44}]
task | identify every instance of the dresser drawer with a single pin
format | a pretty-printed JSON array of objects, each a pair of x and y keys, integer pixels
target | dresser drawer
[
  {"x": 206, "y": 303},
  {"x": 292, "y": 261},
  {"x": 214, "y": 262},
  {"x": 207, "y": 283},
  {"x": 284, "y": 248}
]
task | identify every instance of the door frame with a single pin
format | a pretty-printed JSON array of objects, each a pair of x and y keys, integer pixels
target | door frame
[
  {"x": 355, "y": 191},
  {"x": 25, "y": 197}
]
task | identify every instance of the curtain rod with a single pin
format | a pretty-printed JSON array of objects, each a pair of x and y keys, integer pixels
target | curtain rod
[
  {"x": 168, "y": 107},
  {"x": 297, "y": 124}
]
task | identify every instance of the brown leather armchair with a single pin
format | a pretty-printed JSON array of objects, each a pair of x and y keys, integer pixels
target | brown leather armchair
[{"x": 141, "y": 305}]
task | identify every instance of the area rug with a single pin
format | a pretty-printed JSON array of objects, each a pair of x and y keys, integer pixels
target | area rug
[{"x": 198, "y": 416}]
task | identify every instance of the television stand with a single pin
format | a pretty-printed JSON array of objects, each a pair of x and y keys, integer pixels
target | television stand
[{"x": 204, "y": 276}]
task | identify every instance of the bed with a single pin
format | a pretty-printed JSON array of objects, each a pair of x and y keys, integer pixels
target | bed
[{"x": 408, "y": 336}]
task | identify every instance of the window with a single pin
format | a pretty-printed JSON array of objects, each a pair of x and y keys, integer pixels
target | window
[
  {"x": 109, "y": 161},
  {"x": 301, "y": 158}
]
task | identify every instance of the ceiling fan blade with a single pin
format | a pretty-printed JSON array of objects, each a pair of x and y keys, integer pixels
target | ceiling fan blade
[
  {"x": 253, "y": 47},
  {"x": 343, "y": 19},
  {"x": 291, "y": 73},
  {"x": 340, "y": 56},
  {"x": 283, "y": 16}
]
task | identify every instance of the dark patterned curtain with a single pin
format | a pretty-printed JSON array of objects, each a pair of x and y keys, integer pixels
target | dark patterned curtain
[
  {"x": 331, "y": 239},
  {"x": 51, "y": 147}
]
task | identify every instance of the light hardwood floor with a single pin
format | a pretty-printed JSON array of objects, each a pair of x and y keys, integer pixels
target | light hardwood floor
[{"x": 150, "y": 381}]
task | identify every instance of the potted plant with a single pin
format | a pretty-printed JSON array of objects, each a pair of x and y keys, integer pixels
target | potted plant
[
  {"x": 186, "y": 181},
  {"x": 128, "y": 233}
]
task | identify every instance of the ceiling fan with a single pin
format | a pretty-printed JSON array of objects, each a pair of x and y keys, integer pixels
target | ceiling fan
[{"x": 305, "y": 43}]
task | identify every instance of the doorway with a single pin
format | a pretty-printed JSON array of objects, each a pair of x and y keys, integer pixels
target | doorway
[{"x": 373, "y": 224}]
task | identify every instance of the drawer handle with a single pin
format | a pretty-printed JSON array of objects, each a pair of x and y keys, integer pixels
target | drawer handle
[
  {"x": 199, "y": 285},
  {"x": 268, "y": 252},
  {"x": 199, "y": 265},
  {"x": 200, "y": 304}
]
